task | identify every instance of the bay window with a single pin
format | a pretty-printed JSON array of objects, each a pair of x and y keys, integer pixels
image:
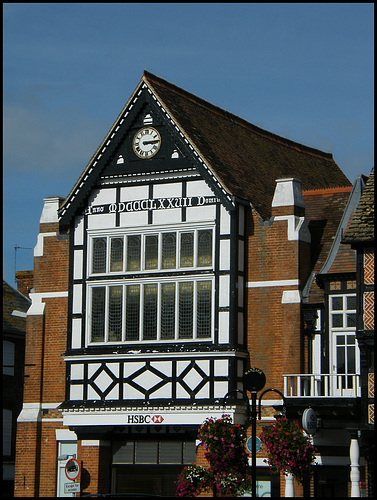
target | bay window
[
  {"x": 146, "y": 252},
  {"x": 171, "y": 310}
]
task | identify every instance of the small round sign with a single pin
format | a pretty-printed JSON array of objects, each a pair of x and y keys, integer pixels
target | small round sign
[
  {"x": 72, "y": 469},
  {"x": 254, "y": 379},
  {"x": 309, "y": 421},
  {"x": 258, "y": 444}
]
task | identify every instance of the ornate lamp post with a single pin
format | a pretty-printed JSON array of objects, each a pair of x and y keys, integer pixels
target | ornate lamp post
[{"x": 254, "y": 380}]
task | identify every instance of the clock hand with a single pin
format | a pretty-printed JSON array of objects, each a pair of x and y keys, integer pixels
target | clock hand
[{"x": 150, "y": 142}]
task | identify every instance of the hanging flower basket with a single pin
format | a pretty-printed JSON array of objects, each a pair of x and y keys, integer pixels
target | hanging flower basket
[
  {"x": 224, "y": 448},
  {"x": 289, "y": 450}
]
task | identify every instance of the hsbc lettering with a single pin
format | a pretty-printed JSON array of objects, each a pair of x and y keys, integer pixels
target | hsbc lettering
[
  {"x": 152, "y": 204},
  {"x": 145, "y": 419}
]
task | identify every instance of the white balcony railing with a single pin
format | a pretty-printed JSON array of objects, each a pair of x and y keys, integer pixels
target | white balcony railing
[{"x": 322, "y": 386}]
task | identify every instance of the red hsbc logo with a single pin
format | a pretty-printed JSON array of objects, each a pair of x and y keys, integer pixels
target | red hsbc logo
[
  {"x": 157, "y": 419},
  {"x": 144, "y": 419}
]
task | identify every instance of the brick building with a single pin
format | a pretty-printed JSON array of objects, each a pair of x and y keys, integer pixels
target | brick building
[
  {"x": 190, "y": 248},
  {"x": 15, "y": 306}
]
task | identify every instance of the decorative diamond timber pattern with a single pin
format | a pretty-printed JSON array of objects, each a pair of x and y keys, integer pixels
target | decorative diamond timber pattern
[
  {"x": 369, "y": 266},
  {"x": 371, "y": 414},
  {"x": 370, "y": 385},
  {"x": 369, "y": 310}
]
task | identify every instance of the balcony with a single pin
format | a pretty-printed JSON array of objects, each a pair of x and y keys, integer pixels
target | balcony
[{"x": 322, "y": 386}]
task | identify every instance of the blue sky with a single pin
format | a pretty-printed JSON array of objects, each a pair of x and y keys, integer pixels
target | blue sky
[{"x": 303, "y": 71}]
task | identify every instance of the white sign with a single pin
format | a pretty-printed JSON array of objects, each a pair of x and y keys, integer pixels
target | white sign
[
  {"x": 71, "y": 487},
  {"x": 309, "y": 421}
]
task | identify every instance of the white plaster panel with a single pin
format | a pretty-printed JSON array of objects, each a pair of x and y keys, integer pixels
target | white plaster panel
[
  {"x": 132, "y": 193},
  {"x": 241, "y": 255},
  {"x": 240, "y": 368},
  {"x": 167, "y": 190},
  {"x": 114, "y": 368},
  {"x": 102, "y": 196},
  {"x": 147, "y": 380},
  {"x": 181, "y": 365},
  {"x": 168, "y": 216},
  {"x": 77, "y": 372},
  {"x": 114, "y": 393},
  {"x": 131, "y": 393},
  {"x": 241, "y": 220},
  {"x": 164, "y": 367},
  {"x": 79, "y": 230},
  {"x": 131, "y": 219},
  {"x": 181, "y": 392},
  {"x": 224, "y": 291},
  {"x": 92, "y": 393},
  {"x": 240, "y": 328},
  {"x": 204, "y": 365},
  {"x": 103, "y": 221},
  {"x": 204, "y": 392},
  {"x": 77, "y": 299},
  {"x": 223, "y": 327},
  {"x": 78, "y": 264},
  {"x": 316, "y": 354},
  {"x": 163, "y": 392},
  {"x": 76, "y": 392},
  {"x": 195, "y": 214},
  {"x": 130, "y": 368},
  {"x": 224, "y": 255},
  {"x": 198, "y": 188},
  {"x": 92, "y": 368},
  {"x": 220, "y": 389},
  {"x": 103, "y": 380},
  {"x": 76, "y": 333},
  {"x": 240, "y": 291},
  {"x": 224, "y": 221},
  {"x": 221, "y": 367}
]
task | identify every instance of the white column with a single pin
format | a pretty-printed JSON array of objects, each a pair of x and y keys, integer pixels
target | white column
[
  {"x": 289, "y": 486},
  {"x": 355, "y": 472}
]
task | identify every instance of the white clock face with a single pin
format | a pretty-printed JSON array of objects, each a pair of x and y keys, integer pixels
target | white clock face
[{"x": 146, "y": 142}]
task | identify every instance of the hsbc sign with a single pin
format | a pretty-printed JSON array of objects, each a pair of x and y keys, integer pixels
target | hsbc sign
[{"x": 145, "y": 419}]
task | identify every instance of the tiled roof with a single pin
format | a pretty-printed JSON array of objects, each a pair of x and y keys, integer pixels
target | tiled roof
[
  {"x": 246, "y": 159},
  {"x": 361, "y": 228},
  {"x": 13, "y": 301}
]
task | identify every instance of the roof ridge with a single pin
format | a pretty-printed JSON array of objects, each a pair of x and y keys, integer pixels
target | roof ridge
[
  {"x": 338, "y": 189},
  {"x": 236, "y": 119}
]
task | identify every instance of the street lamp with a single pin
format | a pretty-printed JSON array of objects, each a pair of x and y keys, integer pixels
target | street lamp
[{"x": 254, "y": 380}]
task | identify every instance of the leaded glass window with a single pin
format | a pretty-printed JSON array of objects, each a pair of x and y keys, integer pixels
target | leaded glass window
[
  {"x": 168, "y": 251},
  {"x": 132, "y": 312},
  {"x": 150, "y": 312},
  {"x": 99, "y": 255},
  {"x": 186, "y": 310},
  {"x": 203, "y": 318},
  {"x": 187, "y": 250},
  {"x": 98, "y": 314},
  {"x": 133, "y": 253},
  {"x": 151, "y": 252},
  {"x": 115, "y": 313},
  {"x": 205, "y": 248},
  {"x": 116, "y": 254},
  {"x": 168, "y": 311}
]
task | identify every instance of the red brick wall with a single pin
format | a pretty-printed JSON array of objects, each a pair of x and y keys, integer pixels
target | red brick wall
[
  {"x": 95, "y": 464},
  {"x": 46, "y": 337},
  {"x": 274, "y": 329}
]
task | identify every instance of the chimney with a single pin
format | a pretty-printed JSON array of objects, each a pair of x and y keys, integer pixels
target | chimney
[
  {"x": 25, "y": 281},
  {"x": 288, "y": 199}
]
